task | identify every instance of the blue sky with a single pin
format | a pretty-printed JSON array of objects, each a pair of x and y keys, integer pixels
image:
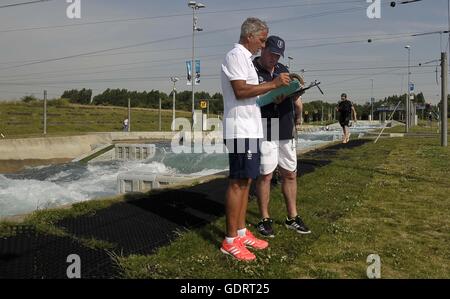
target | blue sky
[{"x": 326, "y": 38}]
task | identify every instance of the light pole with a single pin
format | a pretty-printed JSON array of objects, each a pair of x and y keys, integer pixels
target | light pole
[
  {"x": 408, "y": 116},
  {"x": 174, "y": 90},
  {"x": 371, "y": 102},
  {"x": 129, "y": 115},
  {"x": 408, "y": 108},
  {"x": 195, "y": 6},
  {"x": 45, "y": 112},
  {"x": 322, "y": 114},
  {"x": 290, "y": 58},
  {"x": 444, "y": 105}
]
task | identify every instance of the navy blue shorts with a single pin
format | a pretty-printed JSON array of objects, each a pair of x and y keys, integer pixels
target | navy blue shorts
[{"x": 244, "y": 158}]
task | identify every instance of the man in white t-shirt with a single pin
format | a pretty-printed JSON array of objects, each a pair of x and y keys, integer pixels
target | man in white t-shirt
[
  {"x": 125, "y": 125},
  {"x": 242, "y": 132}
]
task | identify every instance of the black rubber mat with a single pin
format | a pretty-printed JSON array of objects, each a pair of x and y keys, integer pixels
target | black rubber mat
[
  {"x": 331, "y": 151},
  {"x": 305, "y": 166},
  {"x": 141, "y": 226},
  {"x": 29, "y": 254},
  {"x": 324, "y": 156}
]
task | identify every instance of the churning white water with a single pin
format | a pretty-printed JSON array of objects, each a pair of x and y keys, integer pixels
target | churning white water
[{"x": 51, "y": 186}]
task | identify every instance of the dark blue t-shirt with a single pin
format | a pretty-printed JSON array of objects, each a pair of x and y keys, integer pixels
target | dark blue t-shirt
[{"x": 285, "y": 111}]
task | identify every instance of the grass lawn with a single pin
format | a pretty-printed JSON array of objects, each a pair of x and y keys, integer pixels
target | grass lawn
[
  {"x": 422, "y": 127},
  {"x": 26, "y": 120},
  {"x": 390, "y": 198}
]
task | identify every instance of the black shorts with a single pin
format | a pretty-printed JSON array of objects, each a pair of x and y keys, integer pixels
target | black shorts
[
  {"x": 244, "y": 158},
  {"x": 344, "y": 122}
]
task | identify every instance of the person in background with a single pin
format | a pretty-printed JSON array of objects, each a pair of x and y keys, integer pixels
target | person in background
[
  {"x": 125, "y": 125},
  {"x": 346, "y": 112}
]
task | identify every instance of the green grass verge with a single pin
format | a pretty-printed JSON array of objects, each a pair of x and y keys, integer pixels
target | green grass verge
[
  {"x": 422, "y": 127},
  {"x": 389, "y": 199},
  {"x": 19, "y": 119}
]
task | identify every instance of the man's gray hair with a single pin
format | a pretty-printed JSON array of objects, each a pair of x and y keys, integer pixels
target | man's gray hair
[{"x": 253, "y": 26}]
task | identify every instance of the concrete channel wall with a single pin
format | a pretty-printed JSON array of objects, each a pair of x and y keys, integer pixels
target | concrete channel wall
[
  {"x": 50, "y": 147},
  {"x": 71, "y": 147},
  {"x": 68, "y": 147},
  {"x": 143, "y": 182}
]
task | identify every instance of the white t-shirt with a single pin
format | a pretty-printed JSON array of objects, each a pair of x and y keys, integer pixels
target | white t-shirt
[{"x": 242, "y": 118}]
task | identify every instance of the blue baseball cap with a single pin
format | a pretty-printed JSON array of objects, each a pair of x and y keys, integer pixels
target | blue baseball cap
[{"x": 275, "y": 45}]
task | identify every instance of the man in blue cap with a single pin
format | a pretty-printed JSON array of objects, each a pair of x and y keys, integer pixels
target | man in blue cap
[{"x": 279, "y": 147}]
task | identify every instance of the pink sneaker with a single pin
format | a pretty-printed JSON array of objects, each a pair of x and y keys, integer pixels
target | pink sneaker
[{"x": 237, "y": 250}]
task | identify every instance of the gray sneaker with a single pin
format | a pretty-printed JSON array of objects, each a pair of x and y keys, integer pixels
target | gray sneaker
[
  {"x": 265, "y": 228},
  {"x": 298, "y": 225}
]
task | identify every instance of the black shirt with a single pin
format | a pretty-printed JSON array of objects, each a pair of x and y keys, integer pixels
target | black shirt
[
  {"x": 285, "y": 111},
  {"x": 345, "y": 109}
]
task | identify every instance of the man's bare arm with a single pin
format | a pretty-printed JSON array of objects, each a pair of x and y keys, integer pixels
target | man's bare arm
[
  {"x": 354, "y": 114},
  {"x": 242, "y": 90},
  {"x": 298, "y": 103}
]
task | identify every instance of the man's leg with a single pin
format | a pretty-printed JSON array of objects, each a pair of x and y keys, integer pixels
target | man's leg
[
  {"x": 232, "y": 245},
  {"x": 233, "y": 205},
  {"x": 347, "y": 134},
  {"x": 263, "y": 193},
  {"x": 246, "y": 236},
  {"x": 289, "y": 189},
  {"x": 241, "y": 223},
  {"x": 251, "y": 168},
  {"x": 250, "y": 165},
  {"x": 269, "y": 162},
  {"x": 243, "y": 166},
  {"x": 288, "y": 171},
  {"x": 344, "y": 138}
]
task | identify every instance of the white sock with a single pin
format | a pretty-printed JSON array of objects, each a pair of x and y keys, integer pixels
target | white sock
[
  {"x": 230, "y": 240},
  {"x": 242, "y": 232}
]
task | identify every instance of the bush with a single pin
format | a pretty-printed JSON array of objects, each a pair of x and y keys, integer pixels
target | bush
[
  {"x": 75, "y": 96},
  {"x": 29, "y": 99}
]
